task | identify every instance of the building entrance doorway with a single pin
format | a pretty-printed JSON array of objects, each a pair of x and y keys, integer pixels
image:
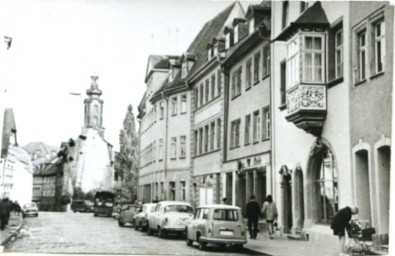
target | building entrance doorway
[
  {"x": 286, "y": 195},
  {"x": 299, "y": 199},
  {"x": 241, "y": 192},
  {"x": 362, "y": 185},
  {"x": 261, "y": 187},
  {"x": 383, "y": 164}
]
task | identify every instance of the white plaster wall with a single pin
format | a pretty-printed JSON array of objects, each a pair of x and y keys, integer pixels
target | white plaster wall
[{"x": 22, "y": 189}]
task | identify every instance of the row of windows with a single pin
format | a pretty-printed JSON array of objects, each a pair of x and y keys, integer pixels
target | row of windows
[
  {"x": 150, "y": 154},
  {"x": 208, "y": 90},
  {"x": 159, "y": 190},
  {"x": 252, "y": 71},
  {"x": 208, "y": 138},
  {"x": 259, "y": 128}
]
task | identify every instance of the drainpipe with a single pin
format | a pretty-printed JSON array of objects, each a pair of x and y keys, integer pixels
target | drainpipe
[{"x": 165, "y": 142}]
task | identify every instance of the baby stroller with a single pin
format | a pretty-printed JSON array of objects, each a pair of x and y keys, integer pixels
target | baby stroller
[{"x": 357, "y": 244}]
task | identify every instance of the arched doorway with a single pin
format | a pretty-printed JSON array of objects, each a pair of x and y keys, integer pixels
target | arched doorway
[
  {"x": 286, "y": 196},
  {"x": 362, "y": 185},
  {"x": 383, "y": 170},
  {"x": 299, "y": 199},
  {"x": 322, "y": 185}
]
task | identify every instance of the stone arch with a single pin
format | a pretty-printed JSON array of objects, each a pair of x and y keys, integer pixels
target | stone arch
[
  {"x": 286, "y": 198},
  {"x": 298, "y": 191},
  {"x": 317, "y": 205}
]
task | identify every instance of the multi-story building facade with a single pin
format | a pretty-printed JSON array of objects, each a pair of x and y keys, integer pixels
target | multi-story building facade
[
  {"x": 206, "y": 81},
  {"x": 247, "y": 144},
  {"x": 326, "y": 154}
]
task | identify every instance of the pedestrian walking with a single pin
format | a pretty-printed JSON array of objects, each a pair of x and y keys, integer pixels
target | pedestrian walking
[
  {"x": 3, "y": 214},
  {"x": 341, "y": 221},
  {"x": 269, "y": 212},
  {"x": 8, "y": 205},
  {"x": 252, "y": 214},
  {"x": 224, "y": 200}
]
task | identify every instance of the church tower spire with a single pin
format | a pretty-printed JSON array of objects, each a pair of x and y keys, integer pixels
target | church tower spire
[{"x": 94, "y": 107}]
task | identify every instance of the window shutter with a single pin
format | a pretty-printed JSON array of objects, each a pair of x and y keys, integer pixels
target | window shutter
[{"x": 331, "y": 55}]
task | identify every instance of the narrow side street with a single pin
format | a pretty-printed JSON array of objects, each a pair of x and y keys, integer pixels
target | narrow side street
[{"x": 83, "y": 233}]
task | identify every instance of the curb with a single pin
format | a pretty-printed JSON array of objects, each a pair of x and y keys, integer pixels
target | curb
[{"x": 12, "y": 235}]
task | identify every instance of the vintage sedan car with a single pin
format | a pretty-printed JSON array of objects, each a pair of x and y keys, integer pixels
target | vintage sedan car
[
  {"x": 81, "y": 206},
  {"x": 30, "y": 209},
  {"x": 217, "y": 224},
  {"x": 140, "y": 219},
  {"x": 169, "y": 217},
  {"x": 127, "y": 213}
]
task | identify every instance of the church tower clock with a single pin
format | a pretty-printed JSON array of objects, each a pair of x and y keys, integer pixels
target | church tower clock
[{"x": 94, "y": 107}]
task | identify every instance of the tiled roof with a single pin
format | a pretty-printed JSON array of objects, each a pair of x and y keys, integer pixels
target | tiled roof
[
  {"x": 314, "y": 15},
  {"x": 199, "y": 45}
]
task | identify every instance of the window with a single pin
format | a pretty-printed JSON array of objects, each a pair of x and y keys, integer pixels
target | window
[
  {"x": 209, "y": 53},
  {"x": 293, "y": 62},
  {"x": 339, "y": 54},
  {"x": 248, "y": 73},
  {"x": 283, "y": 71},
  {"x": 196, "y": 96},
  {"x": 257, "y": 60},
  {"x": 174, "y": 106},
  {"x": 207, "y": 91},
  {"x": 172, "y": 195},
  {"x": 227, "y": 40},
  {"x": 266, "y": 123},
  {"x": 219, "y": 81},
  {"x": 201, "y": 94},
  {"x": 313, "y": 59},
  {"x": 236, "y": 82},
  {"x": 218, "y": 133},
  {"x": 256, "y": 127},
  {"x": 183, "y": 103},
  {"x": 196, "y": 142},
  {"x": 162, "y": 109},
  {"x": 184, "y": 68},
  {"x": 266, "y": 61},
  {"x": 247, "y": 130},
  {"x": 285, "y": 14},
  {"x": 235, "y": 132},
  {"x": 201, "y": 141},
  {"x": 183, "y": 147},
  {"x": 213, "y": 88},
  {"x": 161, "y": 148},
  {"x": 251, "y": 26},
  {"x": 154, "y": 151},
  {"x": 173, "y": 148},
  {"x": 379, "y": 46},
  {"x": 327, "y": 184},
  {"x": 212, "y": 135},
  {"x": 303, "y": 6},
  {"x": 225, "y": 214},
  {"x": 361, "y": 56},
  {"x": 183, "y": 190},
  {"x": 206, "y": 138},
  {"x": 236, "y": 34}
]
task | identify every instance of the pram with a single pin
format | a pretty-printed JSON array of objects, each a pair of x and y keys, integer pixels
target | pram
[{"x": 357, "y": 244}]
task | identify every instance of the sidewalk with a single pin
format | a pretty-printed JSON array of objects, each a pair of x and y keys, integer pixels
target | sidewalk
[
  {"x": 13, "y": 227},
  {"x": 281, "y": 245}
]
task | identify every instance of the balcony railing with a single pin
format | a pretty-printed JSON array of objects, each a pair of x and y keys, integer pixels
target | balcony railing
[{"x": 306, "y": 106}]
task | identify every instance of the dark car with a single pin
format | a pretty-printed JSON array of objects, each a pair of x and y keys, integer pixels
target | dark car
[{"x": 81, "y": 206}]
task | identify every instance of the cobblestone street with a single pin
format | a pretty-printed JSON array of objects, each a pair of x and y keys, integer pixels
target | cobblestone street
[{"x": 83, "y": 233}]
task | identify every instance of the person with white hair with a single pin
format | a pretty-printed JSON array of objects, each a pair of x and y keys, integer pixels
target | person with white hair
[{"x": 341, "y": 222}]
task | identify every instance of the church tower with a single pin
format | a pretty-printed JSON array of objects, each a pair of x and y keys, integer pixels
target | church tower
[{"x": 94, "y": 108}]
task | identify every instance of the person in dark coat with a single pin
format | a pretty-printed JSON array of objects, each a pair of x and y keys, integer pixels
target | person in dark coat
[
  {"x": 341, "y": 222},
  {"x": 252, "y": 213},
  {"x": 3, "y": 214},
  {"x": 8, "y": 204}
]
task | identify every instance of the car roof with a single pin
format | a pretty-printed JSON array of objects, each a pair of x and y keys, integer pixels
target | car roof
[
  {"x": 150, "y": 204},
  {"x": 174, "y": 203},
  {"x": 220, "y": 206}
]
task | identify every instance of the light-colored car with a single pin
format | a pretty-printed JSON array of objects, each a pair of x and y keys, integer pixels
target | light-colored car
[
  {"x": 30, "y": 209},
  {"x": 169, "y": 217},
  {"x": 217, "y": 224},
  {"x": 127, "y": 213},
  {"x": 140, "y": 219}
]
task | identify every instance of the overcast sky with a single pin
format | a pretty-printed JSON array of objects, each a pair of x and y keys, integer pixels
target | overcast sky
[{"x": 57, "y": 45}]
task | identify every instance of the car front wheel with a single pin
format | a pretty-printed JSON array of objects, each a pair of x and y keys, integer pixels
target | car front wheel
[
  {"x": 161, "y": 233},
  {"x": 149, "y": 230},
  {"x": 202, "y": 245},
  {"x": 188, "y": 241},
  {"x": 120, "y": 223}
]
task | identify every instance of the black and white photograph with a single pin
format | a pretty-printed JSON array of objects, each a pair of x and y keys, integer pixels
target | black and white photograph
[{"x": 196, "y": 127}]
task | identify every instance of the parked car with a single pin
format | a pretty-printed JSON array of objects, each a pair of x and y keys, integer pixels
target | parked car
[
  {"x": 140, "y": 219},
  {"x": 29, "y": 209},
  {"x": 81, "y": 206},
  {"x": 217, "y": 224},
  {"x": 126, "y": 214},
  {"x": 169, "y": 217}
]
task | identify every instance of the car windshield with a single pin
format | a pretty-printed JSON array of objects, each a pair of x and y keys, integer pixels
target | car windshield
[
  {"x": 179, "y": 208},
  {"x": 30, "y": 205},
  {"x": 225, "y": 214}
]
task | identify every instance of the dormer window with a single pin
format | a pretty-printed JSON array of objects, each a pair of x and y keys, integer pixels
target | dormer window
[
  {"x": 227, "y": 41},
  {"x": 215, "y": 49},
  {"x": 251, "y": 26},
  {"x": 236, "y": 34},
  {"x": 184, "y": 68},
  {"x": 171, "y": 72}
]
